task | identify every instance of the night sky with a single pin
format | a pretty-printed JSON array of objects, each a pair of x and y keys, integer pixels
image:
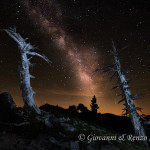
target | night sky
[{"x": 76, "y": 36}]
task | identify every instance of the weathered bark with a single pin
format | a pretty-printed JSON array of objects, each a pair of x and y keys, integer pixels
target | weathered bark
[
  {"x": 27, "y": 92},
  {"x": 129, "y": 103},
  {"x": 24, "y": 68}
]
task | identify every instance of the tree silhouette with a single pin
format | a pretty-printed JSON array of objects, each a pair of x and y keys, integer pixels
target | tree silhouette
[
  {"x": 26, "y": 52},
  {"x": 94, "y": 106}
]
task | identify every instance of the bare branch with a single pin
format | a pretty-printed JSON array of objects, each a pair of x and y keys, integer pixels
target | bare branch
[
  {"x": 39, "y": 55},
  {"x": 121, "y": 101}
]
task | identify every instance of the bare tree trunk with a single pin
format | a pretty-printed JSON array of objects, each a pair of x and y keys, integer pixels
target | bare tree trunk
[
  {"x": 24, "y": 69},
  {"x": 27, "y": 92},
  {"x": 129, "y": 103}
]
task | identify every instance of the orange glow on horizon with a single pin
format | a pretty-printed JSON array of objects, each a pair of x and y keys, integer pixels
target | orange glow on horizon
[{"x": 66, "y": 100}]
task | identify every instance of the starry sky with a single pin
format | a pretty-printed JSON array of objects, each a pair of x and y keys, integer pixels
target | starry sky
[{"x": 75, "y": 35}]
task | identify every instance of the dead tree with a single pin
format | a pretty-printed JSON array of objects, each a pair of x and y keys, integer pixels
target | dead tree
[
  {"x": 127, "y": 97},
  {"x": 26, "y": 52}
]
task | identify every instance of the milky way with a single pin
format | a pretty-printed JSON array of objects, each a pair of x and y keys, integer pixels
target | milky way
[{"x": 47, "y": 14}]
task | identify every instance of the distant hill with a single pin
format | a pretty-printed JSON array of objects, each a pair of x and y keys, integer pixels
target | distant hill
[{"x": 121, "y": 124}]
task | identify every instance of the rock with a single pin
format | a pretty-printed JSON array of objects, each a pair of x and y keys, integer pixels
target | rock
[
  {"x": 74, "y": 145},
  {"x": 7, "y": 107},
  {"x": 108, "y": 147},
  {"x": 68, "y": 127},
  {"x": 6, "y": 101},
  {"x": 63, "y": 119},
  {"x": 96, "y": 129},
  {"x": 62, "y": 144},
  {"x": 53, "y": 140}
]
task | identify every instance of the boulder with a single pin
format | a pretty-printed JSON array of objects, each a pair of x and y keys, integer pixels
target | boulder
[{"x": 7, "y": 108}]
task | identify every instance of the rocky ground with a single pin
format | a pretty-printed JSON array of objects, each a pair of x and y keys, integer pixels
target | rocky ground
[{"x": 21, "y": 130}]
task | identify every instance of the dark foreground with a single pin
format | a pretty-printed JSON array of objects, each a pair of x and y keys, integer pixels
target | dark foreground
[{"x": 59, "y": 129}]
